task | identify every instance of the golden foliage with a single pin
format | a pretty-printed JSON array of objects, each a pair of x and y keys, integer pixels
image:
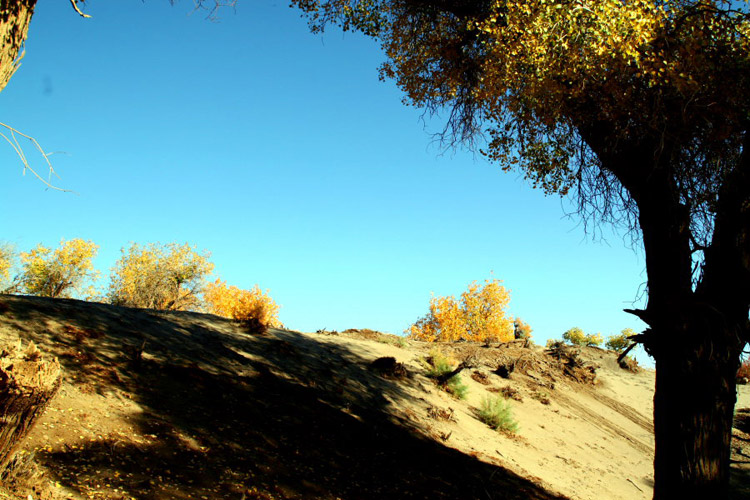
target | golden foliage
[
  {"x": 479, "y": 316},
  {"x": 153, "y": 276},
  {"x": 242, "y": 305},
  {"x": 576, "y": 336},
  {"x": 7, "y": 263},
  {"x": 620, "y": 342},
  {"x": 59, "y": 273},
  {"x": 521, "y": 329},
  {"x": 538, "y": 73}
]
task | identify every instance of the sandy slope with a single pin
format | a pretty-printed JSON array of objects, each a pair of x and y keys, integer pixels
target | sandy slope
[
  {"x": 589, "y": 442},
  {"x": 209, "y": 411}
]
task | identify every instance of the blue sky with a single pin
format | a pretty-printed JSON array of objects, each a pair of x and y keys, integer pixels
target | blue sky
[{"x": 281, "y": 153}]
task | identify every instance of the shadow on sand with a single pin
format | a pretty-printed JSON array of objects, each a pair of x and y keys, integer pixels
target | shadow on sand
[{"x": 229, "y": 415}]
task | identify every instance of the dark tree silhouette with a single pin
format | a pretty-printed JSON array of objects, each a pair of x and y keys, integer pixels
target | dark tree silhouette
[{"x": 640, "y": 109}]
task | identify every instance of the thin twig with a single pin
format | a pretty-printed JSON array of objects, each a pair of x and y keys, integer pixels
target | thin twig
[
  {"x": 13, "y": 141},
  {"x": 636, "y": 486},
  {"x": 74, "y": 3}
]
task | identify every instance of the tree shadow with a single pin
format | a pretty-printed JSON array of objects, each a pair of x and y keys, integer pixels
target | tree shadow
[
  {"x": 222, "y": 437},
  {"x": 232, "y": 415}
]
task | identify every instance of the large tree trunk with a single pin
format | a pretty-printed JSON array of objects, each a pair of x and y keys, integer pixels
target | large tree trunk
[
  {"x": 696, "y": 333},
  {"x": 15, "y": 16},
  {"x": 694, "y": 402},
  {"x": 697, "y": 330},
  {"x": 27, "y": 384}
]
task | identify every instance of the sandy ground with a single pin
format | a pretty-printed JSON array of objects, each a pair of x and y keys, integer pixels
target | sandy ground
[
  {"x": 210, "y": 411},
  {"x": 586, "y": 442}
]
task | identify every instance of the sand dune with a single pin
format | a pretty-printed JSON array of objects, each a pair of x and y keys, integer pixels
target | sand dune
[{"x": 207, "y": 410}]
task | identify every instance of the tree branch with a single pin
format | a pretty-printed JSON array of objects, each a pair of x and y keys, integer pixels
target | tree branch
[
  {"x": 726, "y": 273},
  {"x": 459, "y": 8},
  {"x": 13, "y": 141},
  {"x": 74, "y": 3}
]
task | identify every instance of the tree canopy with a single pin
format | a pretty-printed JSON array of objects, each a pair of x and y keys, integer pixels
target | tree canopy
[
  {"x": 641, "y": 110},
  {"x": 64, "y": 272},
  {"x": 479, "y": 316},
  {"x": 638, "y": 107},
  {"x": 560, "y": 85},
  {"x": 154, "y": 276}
]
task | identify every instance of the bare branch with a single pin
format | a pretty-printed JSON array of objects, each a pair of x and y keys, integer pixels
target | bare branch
[
  {"x": 213, "y": 9},
  {"x": 74, "y": 3},
  {"x": 13, "y": 141}
]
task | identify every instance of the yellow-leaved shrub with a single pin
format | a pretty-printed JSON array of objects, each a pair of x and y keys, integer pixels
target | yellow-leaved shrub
[
  {"x": 576, "y": 336},
  {"x": 479, "y": 316},
  {"x": 249, "y": 306},
  {"x": 7, "y": 263},
  {"x": 155, "y": 276},
  {"x": 62, "y": 272},
  {"x": 619, "y": 343}
]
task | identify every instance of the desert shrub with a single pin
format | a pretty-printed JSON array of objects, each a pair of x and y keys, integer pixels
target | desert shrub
[
  {"x": 594, "y": 340},
  {"x": 64, "y": 272},
  {"x": 479, "y": 316},
  {"x": 8, "y": 263},
  {"x": 576, "y": 336},
  {"x": 496, "y": 412},
  {"x": 392, "y": 340},
  {"x": 456, "y": 387},
  {"x": 168, "y": 277},
  {"x": 250, "y": 306},
  {"x": 521, "y": 330},
  {"x": 438, "y": 366},
  {"x": 7, "y": 255},
  {"x": 619, "y": 342}
]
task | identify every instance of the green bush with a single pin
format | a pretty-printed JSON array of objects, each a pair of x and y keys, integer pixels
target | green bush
[
  {"x": 456, "y": 387},
  {"x": 439, "y": 365},
  {"x": 496, "y": 413}
]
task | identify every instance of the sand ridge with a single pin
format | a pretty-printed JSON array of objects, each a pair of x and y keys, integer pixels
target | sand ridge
[{"x": 159, "y": 405}]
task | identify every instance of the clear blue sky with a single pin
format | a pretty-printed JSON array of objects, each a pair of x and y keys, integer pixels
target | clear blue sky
[{"x": 282, "y": 154}]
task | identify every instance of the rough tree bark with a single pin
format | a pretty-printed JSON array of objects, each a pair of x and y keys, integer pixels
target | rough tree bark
[
  {"x": 27, "y": 384},
  {"x": 696, "y": 333},
  {"x": 696, "y": 330},
  {"x": 15, "y": 16},
  {"x": 696, "y": 342},
  {"x": 697, "y": 355}
]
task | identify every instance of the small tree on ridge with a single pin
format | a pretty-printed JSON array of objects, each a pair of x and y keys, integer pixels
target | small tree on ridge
[
  {"x": 154, "y": 276},
  {"x": 479, "y": 316},
  {"x": 60, "y": 273}
]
